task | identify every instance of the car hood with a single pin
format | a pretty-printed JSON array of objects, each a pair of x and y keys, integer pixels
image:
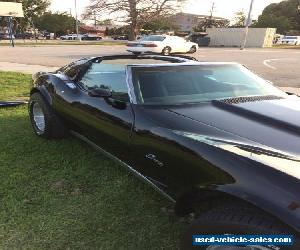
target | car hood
[{"x": 273, "y": 123}]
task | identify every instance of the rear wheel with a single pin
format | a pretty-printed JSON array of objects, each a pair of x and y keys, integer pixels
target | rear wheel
[
  {"x": 192, "y": 50},
  {"x": 166, "y": 51},
  {"x": 235, "y": 220},
  {"x": 44, "y": 121}
]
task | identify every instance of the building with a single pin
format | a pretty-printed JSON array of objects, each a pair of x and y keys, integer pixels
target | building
[
  {"x": 98, "y": 30},
  {"x": 232, "y": 37},
  {"x": 186, "y": 22}
]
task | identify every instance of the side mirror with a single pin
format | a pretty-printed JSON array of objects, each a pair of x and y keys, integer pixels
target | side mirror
[{"x": 105, "y": 93}]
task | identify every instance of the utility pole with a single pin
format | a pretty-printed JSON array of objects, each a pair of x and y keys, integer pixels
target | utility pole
[
  {"x": 212, "y": 10},
  {"x": 208, "y": 22},
  {"x": 10, "y": 29},
  {"x": 248, "y": 23},
  {"x": 76, "y": 16},
  {"x": 211, "y": 14}
]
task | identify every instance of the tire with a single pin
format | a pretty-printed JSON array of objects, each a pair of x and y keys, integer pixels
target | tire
[
  {"x": 166, "y": 51},
  {"x": 192, "y": 50},
  {"x": 44, "y": 121},
  {"x": 235, "y": 220}
]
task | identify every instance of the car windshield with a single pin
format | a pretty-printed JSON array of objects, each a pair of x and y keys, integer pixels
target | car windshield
[
  {"x": 197, "y": 83},
  {"x": 153, "y": 38}
]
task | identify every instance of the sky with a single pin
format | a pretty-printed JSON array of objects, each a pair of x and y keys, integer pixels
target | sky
[{"x": 223, "y": 8}]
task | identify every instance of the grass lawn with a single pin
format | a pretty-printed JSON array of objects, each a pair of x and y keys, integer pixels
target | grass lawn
[{"x": 64, "y": 195}]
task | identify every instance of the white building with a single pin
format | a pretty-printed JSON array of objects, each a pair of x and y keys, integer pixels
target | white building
[{"x": 186, "y": 21}]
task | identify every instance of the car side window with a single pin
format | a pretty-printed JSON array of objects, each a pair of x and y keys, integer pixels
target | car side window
[{"x": 107, "y": 75}]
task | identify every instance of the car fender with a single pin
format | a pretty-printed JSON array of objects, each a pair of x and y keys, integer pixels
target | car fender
[
  {"x": 242, "y": 169},
  {"x": 44, "y": 86},
  {"x": 43, "y": 91},
  {"x": 257, "y": 181}
]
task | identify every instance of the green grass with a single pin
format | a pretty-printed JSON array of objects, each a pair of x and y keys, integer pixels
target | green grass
[
  {"x": 14, "y": 86},
  {"x": 64, "y": 195}
]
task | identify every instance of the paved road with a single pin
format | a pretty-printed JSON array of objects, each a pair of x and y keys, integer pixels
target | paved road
[{"x": 281, "y": 66}]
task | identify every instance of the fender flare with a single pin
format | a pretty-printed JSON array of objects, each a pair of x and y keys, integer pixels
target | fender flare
[{"x": 44, "y": 92}]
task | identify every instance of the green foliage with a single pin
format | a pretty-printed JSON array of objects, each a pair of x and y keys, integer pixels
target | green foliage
[
  {"x": 64, "y": 195},
  {"x": 284, "y": 16},
  {"x": 57, "y": 23},
  {"x": 282, "y": 23}
]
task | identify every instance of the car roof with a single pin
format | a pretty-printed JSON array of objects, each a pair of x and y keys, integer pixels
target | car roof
[{"x": 159, "y": 58}]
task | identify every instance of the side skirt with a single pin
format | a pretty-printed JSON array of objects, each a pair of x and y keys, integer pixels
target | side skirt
[{"x": 132, "y": 170}]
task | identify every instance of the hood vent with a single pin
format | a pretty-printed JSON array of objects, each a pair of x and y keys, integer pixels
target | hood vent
[{"x": 250, "y": 99}]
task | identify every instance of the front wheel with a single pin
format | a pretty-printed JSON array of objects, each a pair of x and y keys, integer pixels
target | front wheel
[
  {"x": 44, "y": 121},
  {"x": 166, "y": 51},
  {"x": 236, "y": 220}
]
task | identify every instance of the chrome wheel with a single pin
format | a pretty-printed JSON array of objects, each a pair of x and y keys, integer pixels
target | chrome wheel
[
  {"x": 166, "y": 51},
  {"x": 193, "y": 50},
  {"x": 38, "y": 117}
]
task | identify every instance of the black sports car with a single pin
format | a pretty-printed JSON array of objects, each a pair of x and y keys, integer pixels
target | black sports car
[{"x": 214, "y": 138}]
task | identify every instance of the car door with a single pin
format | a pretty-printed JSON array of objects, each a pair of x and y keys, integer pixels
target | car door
[{"x": 106, "y": 121}]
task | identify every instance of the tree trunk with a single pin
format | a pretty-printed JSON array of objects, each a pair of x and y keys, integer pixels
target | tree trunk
[
  {"x": 134, "y": 22},
  {"x": 133, "y": 31}
]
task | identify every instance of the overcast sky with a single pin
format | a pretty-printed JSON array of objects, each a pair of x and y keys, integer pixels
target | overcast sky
[{"x": 223, "y": 8}]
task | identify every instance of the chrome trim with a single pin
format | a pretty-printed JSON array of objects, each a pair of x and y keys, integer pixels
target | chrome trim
[
  {"x": 130, "y": 87},
  {"x": 139, "y": 175}
]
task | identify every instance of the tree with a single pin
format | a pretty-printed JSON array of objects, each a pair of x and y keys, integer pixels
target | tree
[
  {"x": 58, "y": 23},
  {"x": 134, "y": 12},
  {"x": 284, "y": 16},
  {"x": 209, "y": 23},
  {"x": 239, "y": 19},
  {"x": 31, "y": 8},
  {"x": 282, "y": 23}
]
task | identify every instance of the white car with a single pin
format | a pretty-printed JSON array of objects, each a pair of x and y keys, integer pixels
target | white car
[
  {"x": 71, "y": 37},
  {"x": 294, "y": 40},
  {"x": 163, "y": 44}
]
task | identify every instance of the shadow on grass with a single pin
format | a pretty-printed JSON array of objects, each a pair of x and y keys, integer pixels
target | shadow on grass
[{"x": 63, "y": 194}]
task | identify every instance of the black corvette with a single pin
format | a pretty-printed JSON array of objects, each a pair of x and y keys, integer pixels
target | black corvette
[{"x": 214, "y": 138}]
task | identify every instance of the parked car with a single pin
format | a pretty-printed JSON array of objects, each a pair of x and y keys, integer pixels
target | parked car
[
  {"x": 120, "y": 37},
  {"x": 293, "y": 40},
  {"x": 5, "y": 36},
  {"x": 163, "y": 44},
  {"x": 71, "y": 37},
  {"x": 89, "y": 37},
  {"x": 212, "y": 137},
  {"x": 24, "y": 35}
]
